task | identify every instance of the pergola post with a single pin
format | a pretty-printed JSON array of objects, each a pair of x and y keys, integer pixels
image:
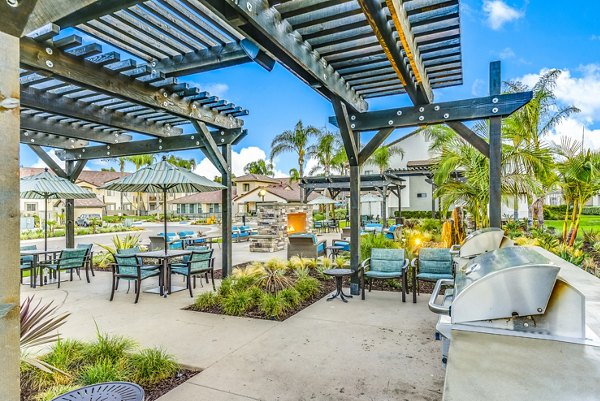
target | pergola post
[
  {"x": 9, "y": 215},
  {"x": 70, "y": 211},
  {"x": 226, "y": 212},
  {"x": 495, "y": 211}
]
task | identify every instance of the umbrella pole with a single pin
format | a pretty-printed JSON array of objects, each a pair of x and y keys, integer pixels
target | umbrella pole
[
  {"x": 45, "y": 223},
  {"x": 165, "y": 216}
]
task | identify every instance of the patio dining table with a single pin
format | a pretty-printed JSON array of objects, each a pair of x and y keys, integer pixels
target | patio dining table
[
  {"x": 36, "y": 253},
  {"x": 164, "y": 258}
]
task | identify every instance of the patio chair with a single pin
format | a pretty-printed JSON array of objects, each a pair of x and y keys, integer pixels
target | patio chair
[
  {"x": 193, "y": 238},
  {"x": 200, "y": 262},
  {"x": 375, "y": 228},
  {"x": 89, "y": 263},
  {"x": 343, "y": 243},
  {"x": 156, "y": 243},
  {"x": 128, "y": 267},
  {"x": 394, "y": 232},
  {"x": 240, "y": 233},
  {"x": 69, "y": 259},
  {"x": 385, "y": 264},
  {"x": 431, "y": 265},
  {"x": 346, "y": 233},
  {"x": 306, "y": 246},
  {"x": 318, "y": 225},
  {"x": 172, "y": 241},
  {"x": 26, "y": 263}
]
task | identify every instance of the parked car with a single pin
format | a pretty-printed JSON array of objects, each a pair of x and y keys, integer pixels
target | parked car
[{"x": 85, "y": 220}]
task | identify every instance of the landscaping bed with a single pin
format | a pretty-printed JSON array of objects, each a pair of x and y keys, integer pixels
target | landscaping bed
[
  {"x": 72, "y": 364},
  {"x": 277, "y": 289}
]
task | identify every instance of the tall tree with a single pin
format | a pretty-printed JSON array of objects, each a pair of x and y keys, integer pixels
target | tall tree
[
  {"x": 383, "y": 155},
  {"x": 526, "y": 129},
  {"x": 188, "y": 164},
  {"x": 324, "y": 152},
  {"x": 296, "y": 141},
  {"x": 260, "y": 167},
  {"x": 140, "y": 161},
  {"x": 340, "y": 161},
  {"x": 294, "y": 175}
]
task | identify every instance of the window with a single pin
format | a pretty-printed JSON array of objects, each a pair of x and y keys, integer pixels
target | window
[
  {"x": 246, "y": 187},
  {"x": 214, "y": 208},
  {"x": 110, "y": 193},
  {"x": 421, "y": 195},
  {"x": 30, "y": 207}
]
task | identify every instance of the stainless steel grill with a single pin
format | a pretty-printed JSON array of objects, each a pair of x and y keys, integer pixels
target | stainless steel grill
[
  {"x": 477, "y": 243},
  {"x": 510, "y": 291}
]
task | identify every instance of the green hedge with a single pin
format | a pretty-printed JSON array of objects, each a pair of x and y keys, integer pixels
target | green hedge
[{"x": 416, "y": 214}]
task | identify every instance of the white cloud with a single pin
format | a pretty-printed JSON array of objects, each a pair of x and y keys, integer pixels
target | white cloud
[
  {"x": 478, "y": 88},
  {"x": 52, "y": 153},
  {"x": 238, "y": 162},
  {"x": 507, "y": 53},
  {"x": 580, "y": 91},
  {"x": 574, "y": 129},
  {"x": 595, "y": 37},
  {"x": 215, "y": 89},
  {"x": 499, "y": 13}
]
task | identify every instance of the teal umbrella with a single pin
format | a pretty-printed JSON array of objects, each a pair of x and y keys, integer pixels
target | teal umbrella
[
  {"x": 50, "y": 186},
  {"x": 163, "y": 177}
]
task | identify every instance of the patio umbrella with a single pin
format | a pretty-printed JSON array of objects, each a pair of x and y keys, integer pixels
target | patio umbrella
[
  {"x": 370, "y": 198},
  {"x": 50, "y": 186},
  {"x": 323, "y": 200},
  {"x": 163, "y": 177}
]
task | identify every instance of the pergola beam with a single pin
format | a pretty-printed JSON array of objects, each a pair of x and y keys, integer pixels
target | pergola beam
[
  {"x": 55, "y": 104},
  {"x": 349, "y": 138},
  {"x": 204, "y": 60},
  {"x": 71, "y": 130},
  {"x": 265, "y": 27},
  {"x": 373, "y": 144},
  {"x": 51, "y": 140},
  {"x": 45, "y": 157},
  {"x": 441, "y": 113},
  {"x": 210, "y": 148},
  {"x": 79, "y": 72},
  {"x": 172, "y": 144}
]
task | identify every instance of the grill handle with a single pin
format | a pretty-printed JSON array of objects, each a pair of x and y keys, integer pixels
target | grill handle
[
  {"x": 455, "y": 250},
  {"x": 438, "y": 308}
]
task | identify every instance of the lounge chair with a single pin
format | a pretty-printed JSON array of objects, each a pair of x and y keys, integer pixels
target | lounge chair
[
  {"x": 375, "y": 228},
  {"x": 394, "y": 232},
  {"x": 385, "y": 264},
  {"x": 306, "y": 246},
  {"x": 173, "y": 241}
]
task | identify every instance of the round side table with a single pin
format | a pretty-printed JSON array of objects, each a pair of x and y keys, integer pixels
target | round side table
[
  {"x": 339, "y": 274},
  {"x": 112, "y": 391}
]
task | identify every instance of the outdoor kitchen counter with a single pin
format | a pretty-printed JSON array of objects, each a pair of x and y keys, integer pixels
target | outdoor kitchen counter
[{"x": 501, "y": 367}]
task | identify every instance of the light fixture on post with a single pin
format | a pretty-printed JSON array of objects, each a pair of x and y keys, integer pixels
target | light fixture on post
[{"x": 262, "y": 194}]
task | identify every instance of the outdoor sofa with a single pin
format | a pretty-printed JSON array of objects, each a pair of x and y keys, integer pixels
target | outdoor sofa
[{"x": 306, "y": 245}]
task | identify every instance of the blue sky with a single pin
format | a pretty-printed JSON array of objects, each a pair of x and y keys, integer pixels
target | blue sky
[{"x": 528, "y": 36}]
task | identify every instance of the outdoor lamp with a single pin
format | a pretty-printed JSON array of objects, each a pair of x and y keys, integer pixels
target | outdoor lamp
[{"x": 262, "y": 194}]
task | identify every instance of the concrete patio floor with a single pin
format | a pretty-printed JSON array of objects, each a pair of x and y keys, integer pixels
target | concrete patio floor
[{"x": 378, "y": 349}]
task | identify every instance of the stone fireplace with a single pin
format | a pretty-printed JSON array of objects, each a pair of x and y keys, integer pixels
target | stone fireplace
[{"x": 274, "y": 223}]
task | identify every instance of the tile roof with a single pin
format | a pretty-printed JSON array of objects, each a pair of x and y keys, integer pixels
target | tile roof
[
  {"x": 95, "y": 178},
  {"x": 202, "y": 197},
  {"x": 92, "y": 202},
  {"x": 257, "y": 177}
]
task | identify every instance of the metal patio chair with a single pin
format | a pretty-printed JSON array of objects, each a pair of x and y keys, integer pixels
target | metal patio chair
[
  {"x": 200, "y": 262},
  {"x": 69, "y": 259},
  {"x": 385, "y": 264}
]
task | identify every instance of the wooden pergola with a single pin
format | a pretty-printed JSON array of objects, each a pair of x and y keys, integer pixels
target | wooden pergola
[{"x": 119, "y": 94}]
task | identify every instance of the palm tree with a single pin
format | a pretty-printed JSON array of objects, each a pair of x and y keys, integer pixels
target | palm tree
[
  {"x": 260, "y": 167},
  {"x": 579, "y": 178},
  {"x": 296, "y": 141},
  {"x": 294, "y": 175},
  {"x": 188, "y": 164},
  {"x": 140, "y": 161},
  {"x": 324, "y": 151},
  {"x": 382, "y": 156},
  {"x": 527, "y": 127},
  {"x": 340, "y": 161}
]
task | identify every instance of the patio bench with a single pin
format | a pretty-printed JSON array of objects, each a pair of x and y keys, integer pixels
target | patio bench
[{"x": 306, "y": 246}]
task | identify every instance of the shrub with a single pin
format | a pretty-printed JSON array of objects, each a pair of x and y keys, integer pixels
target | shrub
[
  {"x": 296, "y": 262},
  {"x": 237, "y": 302},
  {"x": 151, "y": 366},
  {"x": 66, "y": 355},
  {"x": 244, "y": 283},
  {"x": 368, "y": 242},
  {"x": 431, "y": 225},
  {"x": 103, "y": 370},
  {"x": 341, "y": 214},
  {"x": 225, "y": 288},
  {"x": 206, "y": 300},
  {"x": 108, "y": 348},
  {"x": 416, "y": 214},
  {"x": 274, "y": 278},
  {"x": 307, "y": 287},
  {"x": 273, "y": 305},
  {"x": 291, "y": 297},
  {"x": 54, "y": 391},
  {"x": 318, "y": 216}
]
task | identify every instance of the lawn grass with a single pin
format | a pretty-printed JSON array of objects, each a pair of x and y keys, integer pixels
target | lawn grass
[{"x": 588, "y": 223}]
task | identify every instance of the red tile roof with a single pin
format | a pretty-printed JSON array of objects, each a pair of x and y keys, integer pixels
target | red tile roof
[
  {"x": 96, "y": 178},
  {"x": 202, "y": 197}
]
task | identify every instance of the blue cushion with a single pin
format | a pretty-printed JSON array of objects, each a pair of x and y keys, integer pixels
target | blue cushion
[
  {"x": 321, "y": 247},
  {"x": 387, "y": 260},
  {"x": 389, "y": 235},
  {"x": 313, "y": 236},
  {"x": 344, "y": 244},
  {"x": 433, "y": 277},
  {"x": 435, "y": 261},
  {"x": 27, "y": 259},
  {"x": 381, "y": 274}
]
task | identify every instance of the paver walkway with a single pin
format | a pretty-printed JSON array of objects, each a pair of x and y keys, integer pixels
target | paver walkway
[{"x": 379, "y": 349}]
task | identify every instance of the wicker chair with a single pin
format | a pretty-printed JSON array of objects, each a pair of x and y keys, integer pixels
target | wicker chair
[{"x": 306, "y": 246}]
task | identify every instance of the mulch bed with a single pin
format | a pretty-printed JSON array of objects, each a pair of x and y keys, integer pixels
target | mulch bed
[
  {"x": 327, "y": 287},
  {"x": 152, "y": 393}
]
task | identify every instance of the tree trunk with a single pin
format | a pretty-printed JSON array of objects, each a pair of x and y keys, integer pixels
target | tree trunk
[
  {"x": 573, "y": 218},
  {"x": 576, "y": 228},
  {"x": 566, "y": 221},
  {"x": 516, "y": 207}
]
